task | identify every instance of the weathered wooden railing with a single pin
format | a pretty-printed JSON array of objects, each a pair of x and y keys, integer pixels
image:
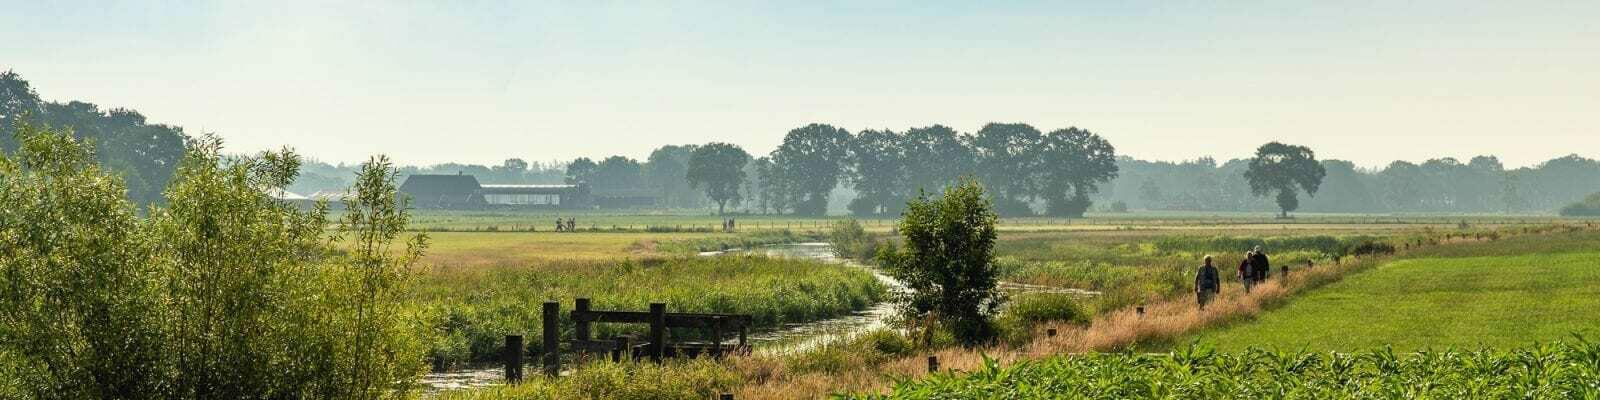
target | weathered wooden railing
[{"x": 654, "y": 346}]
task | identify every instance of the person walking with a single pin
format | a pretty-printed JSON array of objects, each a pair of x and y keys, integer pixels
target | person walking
[
  {"x": 1247, "y": 274},
  {"x": 1207, "y": 283},
  {"x": 1258, "y": 261}
]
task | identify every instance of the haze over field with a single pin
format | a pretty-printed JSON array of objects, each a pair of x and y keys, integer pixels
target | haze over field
[{"x": 1370, "y": 83}]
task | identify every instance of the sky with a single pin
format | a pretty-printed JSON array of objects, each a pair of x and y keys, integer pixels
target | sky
[{"x": 482, "y": 81}]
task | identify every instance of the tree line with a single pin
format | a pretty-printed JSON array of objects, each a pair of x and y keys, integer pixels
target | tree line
[{"x": 1026, "y": 171}]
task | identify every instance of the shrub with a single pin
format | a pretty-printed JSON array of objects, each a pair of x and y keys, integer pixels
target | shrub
[
  {"x": 947, "y": 262},
  {"x": 223, "y": 293},
  {"x": 1026, "y": 312},
  {"x": 851, "y": 241}
]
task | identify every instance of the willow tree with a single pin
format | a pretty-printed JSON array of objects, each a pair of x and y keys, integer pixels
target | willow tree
[{"x": 1285, "y": 170}]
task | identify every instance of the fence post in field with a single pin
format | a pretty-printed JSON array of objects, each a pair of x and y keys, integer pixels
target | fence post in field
[
  {"x": 933, "y": 364},
  {"x": 513, "y": 358},
  {"x": 716, "y": 339},
  {"x": 1139, "y": 310},
  {"x": 658, "y": 330},
  {"x": 726, "y": 396},
  {"x": 1050, "y": 332},
  {"x": 552, "y": 338},
  {"x": 581, "y": 330}
]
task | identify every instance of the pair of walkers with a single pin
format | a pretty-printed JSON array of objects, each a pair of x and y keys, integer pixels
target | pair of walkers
[{"x": 1208, "y": 281}]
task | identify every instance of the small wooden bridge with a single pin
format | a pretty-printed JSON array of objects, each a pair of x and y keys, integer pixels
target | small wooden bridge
[{"x": 653, "y": 346}]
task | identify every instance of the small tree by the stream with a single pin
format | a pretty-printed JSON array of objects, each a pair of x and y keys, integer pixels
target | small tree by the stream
[{"x": 947, "y": 262}]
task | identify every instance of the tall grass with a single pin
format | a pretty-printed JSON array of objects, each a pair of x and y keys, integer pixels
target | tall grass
[{"x": 475, "y": 307}]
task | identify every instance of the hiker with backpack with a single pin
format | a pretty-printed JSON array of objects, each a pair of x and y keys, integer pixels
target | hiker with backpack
[
  {"x": 1207, "y": 283},
  {"x": 1259, "y": 262},
  {"x": 1247, "y": 274}
]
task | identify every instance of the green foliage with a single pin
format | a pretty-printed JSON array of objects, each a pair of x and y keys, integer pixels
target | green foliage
[
  {"x": 1025, "y": 312},
  {"x": 1324, "y": 245},
  {"x": 1589, "y": 207},
  {"x": 851, "y": 241},
  {"x": 947, "y": 263},
  {"x": 1283, "y": 168},
  {"x": 1559, "y": 370},
  {"x": 719, "y": 169},
  {"x": 224, "y": 293}
]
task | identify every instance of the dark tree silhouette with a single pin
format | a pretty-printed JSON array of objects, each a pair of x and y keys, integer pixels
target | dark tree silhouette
[
  {"x": 1284, "y": 169},
  {"x": 719, "y": 169},
  {"x": 1073, "y": 164},
  {"x": 580, "y": 171},
  {"x": 1006, "y": 156},
  {"x": 808, "y": 165},
  {"x": 878, "y": 171}
]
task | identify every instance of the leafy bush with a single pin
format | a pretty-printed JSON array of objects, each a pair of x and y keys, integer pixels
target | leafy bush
[
  {"x": 947, "y": 263},
  {"x": 223, "y": 293},
  {"x": 1023, "y": 313},
  {"x": 851, "y": 241},
  {"x": 1560, "y": 370}
]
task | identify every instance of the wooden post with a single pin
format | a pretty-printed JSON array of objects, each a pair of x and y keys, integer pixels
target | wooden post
[
  {"x": 726, "y": 396},
  {"x": 716, "y": 339},
  {"x": 742, "y": 330},
  {"x": 513, "y": 358},
  {"x": 552, "y": 338},
  {"x": 580, "y": 306},
  {"x": 1139, "y": 310},
  {"x": 658, "y": 330},
  {"x": 933, "y": 364},
  {"x": 1050, "y": 332}
]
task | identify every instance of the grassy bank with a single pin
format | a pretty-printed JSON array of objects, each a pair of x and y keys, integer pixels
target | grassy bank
[{"x": 1449, "y": 297}]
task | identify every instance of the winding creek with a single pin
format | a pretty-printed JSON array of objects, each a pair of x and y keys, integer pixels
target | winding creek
[{"x": 790, "y": 338}]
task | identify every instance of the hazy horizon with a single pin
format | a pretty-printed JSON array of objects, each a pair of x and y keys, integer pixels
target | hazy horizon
[{"x": 428, "y": 84}]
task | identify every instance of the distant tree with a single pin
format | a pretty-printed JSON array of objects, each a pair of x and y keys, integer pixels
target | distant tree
[
  {"x": 878, "y": 171},
  {"x": 947, "y": 262},
  {"x": 1007, "y": 157},
  {"x": 17, "y": 101},
  {"x": 667, "y": 168},
  {"x": 580, "y": 171},
  {"x": 809, "y": 163},
  {"x": 618, "y": 173},
  {"x": 1284, "y": 169},
  {"x": 767, "y": 191},
  {"x": 1073, "y": 164},
  {"x": 1150, "y": 193},
  {"x": 936, "y": 157},
  {"x": 719, "y": 169}
]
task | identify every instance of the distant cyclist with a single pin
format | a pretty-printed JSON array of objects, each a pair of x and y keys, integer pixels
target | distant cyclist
[{"x": 1207, "y": 283}]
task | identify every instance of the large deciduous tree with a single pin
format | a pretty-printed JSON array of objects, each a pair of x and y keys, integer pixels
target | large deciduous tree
[
  {"x": 947, "y": 262},
  {"x": 719, "y": 169},
  {"x": 1284, "y": 169},
  {"x": 878, "y": 171},
  {"x": 1007, "y": 155},
  {"x": 667, "y": 168},
  {"x": 808, "y": 165},
  {"x": 580, "y": 171},
  {"x": 936, "y": 157},
  {"x": 1073, "y": 163}
]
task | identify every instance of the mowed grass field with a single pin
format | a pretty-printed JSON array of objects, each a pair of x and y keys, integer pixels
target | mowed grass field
[{"x": 1519, "y": 291}]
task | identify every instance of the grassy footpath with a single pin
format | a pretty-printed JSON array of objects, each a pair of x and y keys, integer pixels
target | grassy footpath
[
  {"x": 1497, "y": 301},
  {"x": 1498, "y": 295}
]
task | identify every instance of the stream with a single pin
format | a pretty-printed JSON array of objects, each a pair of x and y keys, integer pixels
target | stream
[{"x": 789, "y": 338}]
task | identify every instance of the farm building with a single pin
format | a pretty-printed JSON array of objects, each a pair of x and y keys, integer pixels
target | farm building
[{"x": 465, "y": 192}]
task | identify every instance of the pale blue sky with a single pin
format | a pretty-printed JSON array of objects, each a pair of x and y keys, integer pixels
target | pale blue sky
[{"x": 483, "y": 81}]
